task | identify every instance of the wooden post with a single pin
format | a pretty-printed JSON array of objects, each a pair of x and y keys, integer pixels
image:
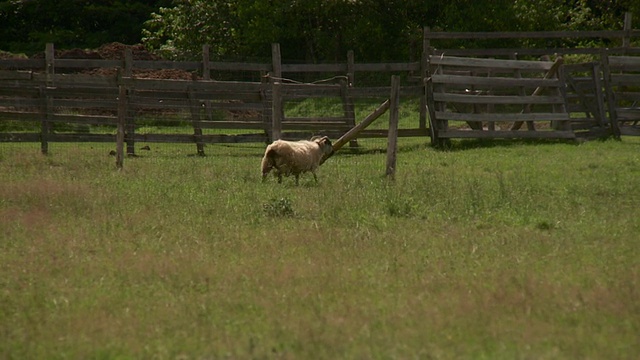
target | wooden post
[
  {"x": 194, "y": 108},
  {"x": 276, "y": 111},
  {"x": 130, "y": 127},
  {"x": 44, "y": 123},
  {"x": 424, "y": 73},
  {"x": 611, "y": 100},
  {"x": 206, "y": 75},
  {"x": 47, "y": 101},
  {"x": 392, "y": 146},
  {"x": 122, "y": 115},
  {"x": 626, "y": 39},
  {"x": 351, "y": 65},
  {"x": 348, "y": 108},
  {"x": 49, "y": 56},
  {"x": 353, "y": 132},
  {"x": 276, "y": 62},
  {"x": 206, "y": 67},
  {"x": 266, "y": 105}
]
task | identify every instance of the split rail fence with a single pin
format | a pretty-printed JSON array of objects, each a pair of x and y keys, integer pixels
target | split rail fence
[{"x": 460, "y": 93}]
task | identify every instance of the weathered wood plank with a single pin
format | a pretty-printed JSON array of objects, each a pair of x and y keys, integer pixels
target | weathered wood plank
[
  {"x": 328, "y": 119},
  {"x": 490, "y": 63},
  {"x": 21, "y": 115},
  {"x": 307, "y": 68},
  {"x": 442, "y": 115},
  {"x": 83, "y": 119},
  {"x": 624, "y": 63},
  {"x": 14, "y": 64},
  {"x": 625, "y": 79},
  {"x": 76, "y": 137},
  {"x": 494, "y": 81},
  {"x": 387, "y": 67},
  {"x": 185, "y": 85},
  {"x": 497, "y": 99},
  {"x": 19, "y": 102},
  {"x": 104, "y": 104},
  {"x": 177, "y": 138},
  {"x": 15, "y": 75},
  {"x": 19, "y": 137},
  {"x": 625, "y": 114},
  {"x": 87, "y": 63},
  {"x": 248, "y": 123},
  {"x": 12, "y": 91}
]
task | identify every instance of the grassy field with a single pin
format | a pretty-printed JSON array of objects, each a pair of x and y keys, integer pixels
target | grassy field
[{"x": 509, "y": 250}]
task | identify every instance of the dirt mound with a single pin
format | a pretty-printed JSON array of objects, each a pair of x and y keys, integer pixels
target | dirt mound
[{"x": 116, "y": 51}]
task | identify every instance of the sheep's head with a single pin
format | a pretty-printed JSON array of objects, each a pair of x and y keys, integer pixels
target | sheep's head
[{"x": 324, "y": 143}]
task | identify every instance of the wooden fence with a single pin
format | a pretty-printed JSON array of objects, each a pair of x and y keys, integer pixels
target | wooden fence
[
  {"x": 68, "y": 105},
  {"x": 622, "y": 83},
  {"x": 466, "y": 97}
]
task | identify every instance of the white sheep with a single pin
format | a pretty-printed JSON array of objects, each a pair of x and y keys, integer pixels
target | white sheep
[{"x": 295, "y": 157}]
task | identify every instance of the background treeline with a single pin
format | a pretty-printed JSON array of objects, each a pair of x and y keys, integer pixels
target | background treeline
[{"x": 308, "y": 30}]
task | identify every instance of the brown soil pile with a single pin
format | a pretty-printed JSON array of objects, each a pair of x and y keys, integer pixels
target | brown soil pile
[{"x": 116, "y": 51}]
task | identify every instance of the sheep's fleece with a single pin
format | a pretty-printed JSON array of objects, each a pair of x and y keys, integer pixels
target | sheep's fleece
[{"x": 295, "y": 157}]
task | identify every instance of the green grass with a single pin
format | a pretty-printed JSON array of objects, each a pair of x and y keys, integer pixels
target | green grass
[{"x": 495, "y": 250}]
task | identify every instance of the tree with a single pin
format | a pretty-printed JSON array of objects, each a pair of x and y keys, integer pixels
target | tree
[{"x": 27, "y": 25}]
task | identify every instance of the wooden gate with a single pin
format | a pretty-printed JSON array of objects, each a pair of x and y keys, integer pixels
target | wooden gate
[{"x": 491, "y": 98}]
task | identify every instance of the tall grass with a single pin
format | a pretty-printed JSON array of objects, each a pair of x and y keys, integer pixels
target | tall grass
[{"x": 505, "y": 250}]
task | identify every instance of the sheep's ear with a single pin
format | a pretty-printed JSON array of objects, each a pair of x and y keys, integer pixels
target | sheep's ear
[{"x": 326, "y": 140}]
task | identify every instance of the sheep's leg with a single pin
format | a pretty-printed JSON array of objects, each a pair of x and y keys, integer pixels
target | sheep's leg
[
  {"x": 279, "y": 178},
  {"x": 297, "y": 178},
  {"x": 315, "y": 177}
]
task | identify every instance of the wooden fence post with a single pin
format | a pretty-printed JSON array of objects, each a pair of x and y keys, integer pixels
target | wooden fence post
[
  {"x": 424, "y": 73},
  {"x": 348, "y": 108},
  {"x": 276, "y": 62},
  {"x": 46, "y": 104},
  {"x": 277, "y": 110},
  {"x": 392, "y": 144},
  {"x": 351, "y": 66},
  {"x": 122, "y": 115},
  {"x": 626, "y": 39},
  {"x": 206, "y": 75},
  {"x": 206, "y": 67},
  {"x": 194, "y": 108},
  {"x": 611, "y": 101},
  {"x": 130, "y": 125},
  {"x": 44, "y": 123}
]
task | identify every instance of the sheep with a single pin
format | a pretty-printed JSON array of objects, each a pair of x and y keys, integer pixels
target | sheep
[{"x": 295, "y": 157}]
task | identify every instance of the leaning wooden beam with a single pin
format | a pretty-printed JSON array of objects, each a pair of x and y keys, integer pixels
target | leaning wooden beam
[
  {"x": 353, "y": 133},
  {"x": 552, "y": 71}
]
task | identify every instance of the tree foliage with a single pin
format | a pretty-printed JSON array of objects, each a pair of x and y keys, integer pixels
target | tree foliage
[
  {"x": 323, "y": 30},
  {"x": 27, "y": 25},
  {"x": 308, "y": 30}
]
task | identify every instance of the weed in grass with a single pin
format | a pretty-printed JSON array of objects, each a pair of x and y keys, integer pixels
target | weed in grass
[{"x": 281, "y": 207}]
